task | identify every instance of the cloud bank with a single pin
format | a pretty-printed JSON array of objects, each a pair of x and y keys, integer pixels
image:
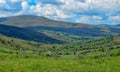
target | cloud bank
[{"x": 83, "y": 11}]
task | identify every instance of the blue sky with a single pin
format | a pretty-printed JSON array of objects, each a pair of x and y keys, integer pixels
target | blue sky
[{"x": 82, "y": 11}]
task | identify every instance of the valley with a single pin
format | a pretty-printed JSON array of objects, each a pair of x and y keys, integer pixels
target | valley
[{"x": 38, "y": 44}]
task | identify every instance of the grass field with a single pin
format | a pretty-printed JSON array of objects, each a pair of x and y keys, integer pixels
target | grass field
[
  {"x": 12, "y": 63},
  {"x": 101, "y": 55}
]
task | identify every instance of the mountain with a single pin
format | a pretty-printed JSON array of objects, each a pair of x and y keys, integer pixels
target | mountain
[
  {"x": 26, "y": 34},
  {"x": 18, "y": 55},
  {"x": 118, "y": 25},
  {"x": 30, "y": 20},
  {"x": 65, "y": 31}
]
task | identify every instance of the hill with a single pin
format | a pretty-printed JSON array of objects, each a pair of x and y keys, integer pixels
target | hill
[
  {"x": 30, "y": 20},
  {"x": 26, "y": 34},
  {"x": 99, "y": 55},
  {"x": 60, "y": 30},
  {"x": 102, "y": 47}
]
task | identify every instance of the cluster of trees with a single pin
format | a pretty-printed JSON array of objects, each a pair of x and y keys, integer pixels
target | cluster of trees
[{"x": 93, "y": 48}]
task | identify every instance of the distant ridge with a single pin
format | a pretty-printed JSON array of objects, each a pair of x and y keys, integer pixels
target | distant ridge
[
  {"x": 30, "y": 20},
  {"x": 26, "y": 34},
  {"x": 59, "y": 29}
]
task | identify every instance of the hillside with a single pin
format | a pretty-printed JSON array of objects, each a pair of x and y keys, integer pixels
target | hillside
[
  {"x": 30, "y": 20},
  {"x": 26, "y": 34},
  {"x": 9, "y": 45},
  {"x": 102, "y": 47},
  {"x": 97, "y": 55},
  {"x": 59, "y": 36},
  {"x": 60, "y": 30}
]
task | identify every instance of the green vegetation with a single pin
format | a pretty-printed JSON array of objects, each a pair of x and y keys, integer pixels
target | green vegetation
[
  {"x": 38, "y": 44},
  {"x": 64, "y": 36},
  {"x": 61, "y": 30},
  {"x": 98, "y": 55},
  {"x": 42, "y": 64},
  {"x": 26, "y": 34}
]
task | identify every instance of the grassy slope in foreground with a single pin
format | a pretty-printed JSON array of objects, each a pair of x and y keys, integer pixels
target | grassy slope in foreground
[
  {"x": 29, "y": 62},
  {"x": 42, "y": 64}
]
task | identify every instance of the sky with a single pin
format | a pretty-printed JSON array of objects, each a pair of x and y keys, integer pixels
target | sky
[{"x": 82, "y": 11}]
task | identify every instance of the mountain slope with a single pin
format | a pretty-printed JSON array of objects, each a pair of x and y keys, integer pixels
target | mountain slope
[
  {"x": 30, "y": 20},
  {"x": 96, "y": 48},
  {"x": 65, "y": 31},
  {"x": 26, "y": 34}
]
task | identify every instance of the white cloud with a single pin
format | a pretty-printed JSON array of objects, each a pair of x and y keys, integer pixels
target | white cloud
[
  {"x": 90, "y": 19},
  {"x": 82, "y": 10},
  {"x": 91, "y": 6},
  {"x": 2, "y": 14},
  {"x": 2, "y": 1},
  {"x": 25, "y": 9},
  {"x": 24, "y": 5},
  {"x": 61, "y": 14},
  {"x": 84, "y": 19},
  {"x": 19, "y": 0},
  {"x": 49, "y": 10},
  {"x": 15, "y": 0},
  {"x": 97, "y": 17},
  {"x": 114, "y": 18}
]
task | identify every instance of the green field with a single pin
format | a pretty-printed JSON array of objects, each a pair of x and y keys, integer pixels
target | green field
[
  {"x": 12, "y": 63},
  {"x": 96, "y": 55}
]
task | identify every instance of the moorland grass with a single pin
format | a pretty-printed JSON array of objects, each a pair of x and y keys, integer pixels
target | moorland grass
[{"x": 63, "y": 64}]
